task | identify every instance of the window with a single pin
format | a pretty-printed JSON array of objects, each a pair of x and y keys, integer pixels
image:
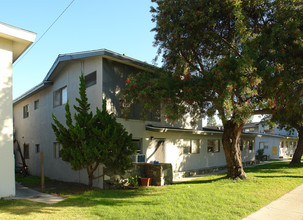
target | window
[
  {"x": 60, "y": 96},
  {"x": 36, "y": 104},
  {"x": 186, "y": 147},
  {"x": 195, "y": 146},
  {"x": 137, "y": 143},
  {"x": 191, "y": 146},
  {"x": 26, "y": 151},
  {"x": 57, "y": 150},
  {"x": 282, "y": 144},
  {"x": 37, "y": 148},
  {"x": 241, "y": 144},
  {"x": 286, "y": 144},
  {"x": 25, "y": 111},
  {"x": 250, "y": 145},
  {"x": 213, "y": 145},
  {"x": 90, "y": 79}
]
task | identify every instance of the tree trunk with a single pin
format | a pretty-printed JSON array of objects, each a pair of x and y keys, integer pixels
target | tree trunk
[
  {"x": 231, "y": 137},
  {"x": 90, "y": 180},
  {"x": 296, "y": 159}
]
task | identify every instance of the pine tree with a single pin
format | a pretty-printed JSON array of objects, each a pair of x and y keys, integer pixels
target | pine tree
[{"x": 93, "y": 139}]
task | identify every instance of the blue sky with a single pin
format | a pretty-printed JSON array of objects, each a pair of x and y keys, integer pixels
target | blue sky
[{"x": 118, "y": 25}]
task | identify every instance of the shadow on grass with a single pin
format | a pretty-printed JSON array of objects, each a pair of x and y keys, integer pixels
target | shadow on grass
[
  {"x": 91, "y": 198},
  {"x": 200, "y": 180},
  {"x": 24, "y": 207},
  {"x": 271, "y": 167},
  {"x": 281, "y": 176}
]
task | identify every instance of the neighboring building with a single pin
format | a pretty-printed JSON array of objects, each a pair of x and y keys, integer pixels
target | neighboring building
[
  {"x": 277, "y": 143},
  {"x": 187, "y": 148},
  {"x": 13, "y": 42}
]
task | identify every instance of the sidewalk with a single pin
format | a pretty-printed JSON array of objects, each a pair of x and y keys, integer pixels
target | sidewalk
[
  {"x": 23, "y": 192},
  {"x": 288, "y": 206}
]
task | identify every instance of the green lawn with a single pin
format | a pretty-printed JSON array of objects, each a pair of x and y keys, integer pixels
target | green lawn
[{"x": 212, "y": 197}]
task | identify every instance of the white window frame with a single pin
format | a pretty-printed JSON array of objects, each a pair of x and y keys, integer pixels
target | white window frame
[
  {"x": 37, "y": 148},
  {"x": 211, "y": 145},
  {"x": 60, "y": 96},
  {"x": 57, "y": 148},
  {"x": 191, "y": 146},
  {"x": 25, "y": 111},
  {"x": 36, "y": 104},
  {"x": 90, "y": 79}
]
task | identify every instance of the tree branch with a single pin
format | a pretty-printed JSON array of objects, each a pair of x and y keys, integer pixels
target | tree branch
[
  {"x": 96, "y": 177},
  {"x": 231, "y": 46},
  {"x": 264, "y": 111}
]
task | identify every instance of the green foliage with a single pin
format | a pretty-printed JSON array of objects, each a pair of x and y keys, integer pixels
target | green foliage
[
  {"x": 93, "y": 139},
  {"x": 230, "y": 56},
  {"x": 133, "y": 181},
  {"x": 260, "y": 152},
  {"x": 237, "y": 58}
]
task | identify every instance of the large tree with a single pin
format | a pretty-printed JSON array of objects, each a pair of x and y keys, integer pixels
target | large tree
[
  {"x": 217, "y": 56},
  {"x": 91, "y": 140},
  {"x": 287, "y": 49}
]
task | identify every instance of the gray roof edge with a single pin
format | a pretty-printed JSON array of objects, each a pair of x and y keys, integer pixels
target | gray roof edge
[
  {"x": 32, "y": 91},
  {"x": 79, "y": 55},
  {"x": 92, "y": 53},
  {"x": 75, "y": 56},
  {"x": 270, "y": 135}
]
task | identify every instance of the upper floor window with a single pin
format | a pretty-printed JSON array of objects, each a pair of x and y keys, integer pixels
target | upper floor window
[
  {"x": 25, "y": 111},
  {"x": 60, "y": 96},
  {"x": 137, "y": 143},
  {"x": 57, "y": 150},
  {"x": 36, "y": 104},
  {"x": 90, "y": 79}
]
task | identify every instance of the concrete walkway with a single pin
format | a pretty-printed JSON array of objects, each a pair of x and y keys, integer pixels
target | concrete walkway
[
  {"x": 289, "y": 206},
  {"x": 26, "y": 193}
]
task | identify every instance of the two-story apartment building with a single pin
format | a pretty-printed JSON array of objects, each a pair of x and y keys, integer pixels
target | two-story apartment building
[{"x": 184, "y": 146}]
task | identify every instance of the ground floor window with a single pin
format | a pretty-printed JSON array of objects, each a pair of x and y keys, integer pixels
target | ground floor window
[
  {"x": 250, "y": 144},
  {"x": 241, "y": 144},
  {"x": 213, "y": 145},
  {"x": 26, "y": 151},
  {"x": 37, "y": 148},
  {"x": 191, "y": 146}
]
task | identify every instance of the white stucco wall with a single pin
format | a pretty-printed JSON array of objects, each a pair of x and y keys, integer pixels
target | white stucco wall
[
  {"x": 268, "y": 143},
  {"x": 7, "y": 185},
  {"x": 289, "y": 147},
  {"x": 13, "y": 42}
]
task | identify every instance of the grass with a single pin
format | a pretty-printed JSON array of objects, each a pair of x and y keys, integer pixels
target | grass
[{"x": 212, "y": 197}]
